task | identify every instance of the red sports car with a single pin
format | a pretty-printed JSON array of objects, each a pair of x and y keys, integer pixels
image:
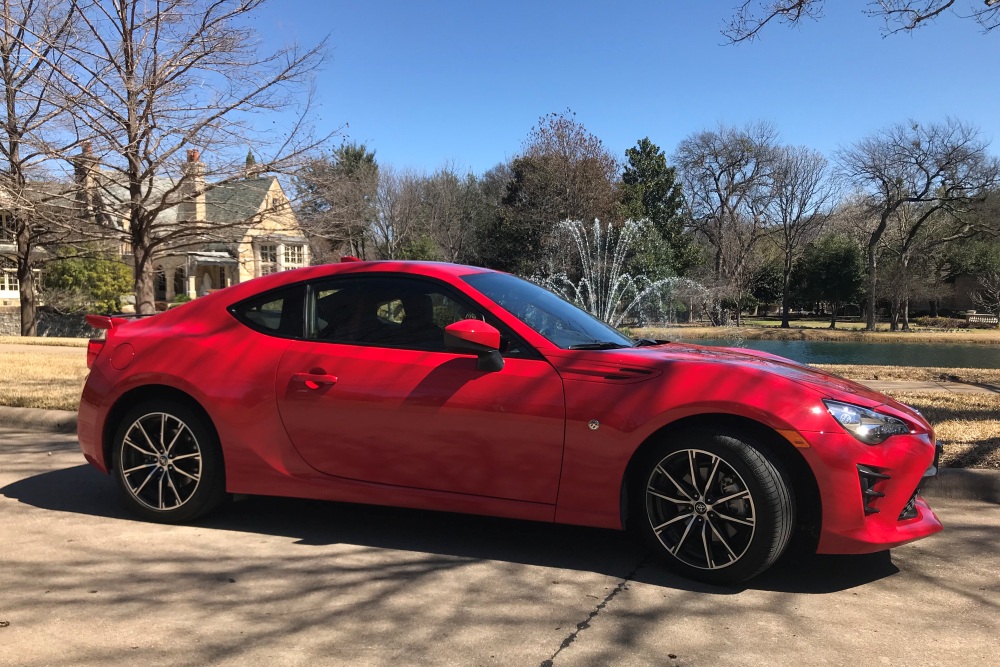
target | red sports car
[{"x": 461, "y": 389}]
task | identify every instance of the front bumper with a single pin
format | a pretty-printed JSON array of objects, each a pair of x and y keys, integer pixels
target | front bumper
[{"x": 870, "y": 493}]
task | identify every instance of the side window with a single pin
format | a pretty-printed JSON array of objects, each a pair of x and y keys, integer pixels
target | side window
[
  {"x": 278, "y": 313},
  {"x": 395, "y": 312}
]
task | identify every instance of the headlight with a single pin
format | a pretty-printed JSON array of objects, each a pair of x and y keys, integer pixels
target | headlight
[{"x": 866, "y": 425}]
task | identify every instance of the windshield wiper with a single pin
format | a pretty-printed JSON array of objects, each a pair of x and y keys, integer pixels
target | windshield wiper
[
  {"x": 647, "y": 342},
  {"x": 597, "y": 345}
]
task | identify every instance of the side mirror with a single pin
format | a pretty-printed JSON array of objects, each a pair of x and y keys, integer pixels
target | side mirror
[{"x": 478, "y": 338}]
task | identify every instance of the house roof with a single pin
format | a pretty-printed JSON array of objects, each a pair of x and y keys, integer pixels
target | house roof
[{"x": 236, "y": 200}]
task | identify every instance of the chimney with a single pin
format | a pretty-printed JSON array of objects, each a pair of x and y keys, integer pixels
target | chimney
[{"x": 192, "y": 189}]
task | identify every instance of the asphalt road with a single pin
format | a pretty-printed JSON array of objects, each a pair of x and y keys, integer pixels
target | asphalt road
[{"x": 287, "y": 582}]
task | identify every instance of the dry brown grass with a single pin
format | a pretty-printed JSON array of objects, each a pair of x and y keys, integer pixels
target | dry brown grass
[
  {"x": 43, "y": 340},
  {"x": 976, "y": 336},
  {"x": 40, "y": 380},
  {"x": 966, "y": 375},
  {"x": 968, "y": 425}
]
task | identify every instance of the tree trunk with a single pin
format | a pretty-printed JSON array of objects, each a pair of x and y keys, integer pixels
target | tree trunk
[
  {"x": 906, "y": 314},
  {"x": 894, "y": 314},
  {"x": 145, "y": 278},
  {"x": 26, "y": 280},
  {"x": 786, "y": 279},
  {"x": 872, "y": 279},
  {"x": 29, "y": 305},
  {"x": 833, "y": 316}
]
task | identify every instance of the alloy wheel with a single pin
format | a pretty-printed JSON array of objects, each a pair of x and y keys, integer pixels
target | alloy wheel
[
  {"x": 700, "y": 509},
  {"x": 160, "y": 461}
]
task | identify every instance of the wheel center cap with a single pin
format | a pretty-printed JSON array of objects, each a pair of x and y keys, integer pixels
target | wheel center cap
[
  {"x": 163, "y": 460},
  {"x": 700, "y": 507}
]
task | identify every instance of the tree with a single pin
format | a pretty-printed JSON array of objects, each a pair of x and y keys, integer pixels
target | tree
[
  {"x": 650, "y": 191},
  {"x": 337, "y": 197},
  {"x": 768, "y": 283},
  {"x": 751, "y": 16},
  {"x": 801, "y": 192},
  {"x": 32, "y": 34},
  {"x": 918, "y": 173},
  {"x": 831, "y": 270},
  {"x": 452, "y": 206},
  {"x": 563, "y": 173},
  {"x": 987, "y": 296},
  {"x": 152, "y": 80},
  {"x": 397, "y": 213},
  {"x": 727, "y": 176},
  {"x": 92, "y": 281}
]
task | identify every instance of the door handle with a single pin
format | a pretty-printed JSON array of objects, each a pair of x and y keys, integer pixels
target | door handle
[{"x": 314, "y": 380}]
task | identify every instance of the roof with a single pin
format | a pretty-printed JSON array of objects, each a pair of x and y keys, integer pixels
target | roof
[{"x": 236, "y": 200}]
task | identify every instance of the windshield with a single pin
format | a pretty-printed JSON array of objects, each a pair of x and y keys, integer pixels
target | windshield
[{"x": 559, "y": 321}]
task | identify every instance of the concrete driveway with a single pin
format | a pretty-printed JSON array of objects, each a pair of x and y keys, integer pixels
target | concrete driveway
[{"x": 287, "y": 582}]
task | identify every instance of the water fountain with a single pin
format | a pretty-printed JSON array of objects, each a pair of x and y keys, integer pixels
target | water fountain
[{"x": 605, "y": 289}]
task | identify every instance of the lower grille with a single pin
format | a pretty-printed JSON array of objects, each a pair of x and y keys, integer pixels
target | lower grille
[
  {"x": 869, "y": 478},
  {"x": 910, "y": 510}
]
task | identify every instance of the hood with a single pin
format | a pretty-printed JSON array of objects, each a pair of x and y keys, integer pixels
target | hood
[{"x": 825, "y": 383}]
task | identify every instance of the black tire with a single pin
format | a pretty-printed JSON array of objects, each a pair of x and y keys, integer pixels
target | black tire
[
  {"x": 731, "y": 524},
  {"x": 168, "y": 463}
]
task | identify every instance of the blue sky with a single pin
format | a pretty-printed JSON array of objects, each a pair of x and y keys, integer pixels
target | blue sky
[{"x": 425, "y": 83}]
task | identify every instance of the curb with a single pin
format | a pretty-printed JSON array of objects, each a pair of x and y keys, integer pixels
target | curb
[
  {"x": 956, "y": 483},
  {"x": 964, "y": 484},
  {"x": 59, "y": 421}
]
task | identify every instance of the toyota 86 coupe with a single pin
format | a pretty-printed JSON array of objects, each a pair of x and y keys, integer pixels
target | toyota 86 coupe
[{"x": 461, "y": 389}]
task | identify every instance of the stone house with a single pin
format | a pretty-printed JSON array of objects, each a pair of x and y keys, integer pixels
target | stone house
[
  {"x": 250, "y": 231},
  {"x": 249, "y": 228}
]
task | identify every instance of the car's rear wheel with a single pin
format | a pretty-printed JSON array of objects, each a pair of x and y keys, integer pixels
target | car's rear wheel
[
  {"x": 713, "y": 505},
  {"x": 168, "y": 463}
]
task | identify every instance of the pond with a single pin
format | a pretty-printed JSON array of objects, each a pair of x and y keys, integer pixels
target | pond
[{"x": 873, "y": 354}]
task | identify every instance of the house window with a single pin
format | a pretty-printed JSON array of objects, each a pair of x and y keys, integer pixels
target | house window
[
  {"x": 268, "y": 259},
  {"x": 8, "y": 275},
  {"x": 6, "y": 228},
  {"x": 294, "y": 256}
]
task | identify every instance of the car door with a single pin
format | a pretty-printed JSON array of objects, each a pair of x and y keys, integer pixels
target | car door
[{"x": 372, "y": 395}]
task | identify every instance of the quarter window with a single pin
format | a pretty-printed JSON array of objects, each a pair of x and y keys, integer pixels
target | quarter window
[{"x": 278, "y": 313}]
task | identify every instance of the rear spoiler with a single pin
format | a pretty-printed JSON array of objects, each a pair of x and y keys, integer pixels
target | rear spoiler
[{"x": 108, "y": 322}]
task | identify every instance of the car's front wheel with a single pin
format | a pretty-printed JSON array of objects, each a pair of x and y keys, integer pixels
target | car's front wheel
[
  {"x": 168, "y": 463},
  {"x": 713, "y": 505}
]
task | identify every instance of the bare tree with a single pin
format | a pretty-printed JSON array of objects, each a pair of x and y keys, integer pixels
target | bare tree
[
  {"x": 397, "y": 216},
  {"x": 751, "y": 16},
  {"x": 987, "y": 296},
  {"x": 152, "y": 80},
  {"x": 453, "y": 204},
  {"x": 801, "y": 193},
  {"x": 727, "y": 176},
  {"x": 32, "y": 33},
  {"x": 337, "y": 195},
  {"x": 939, "y": 169}
]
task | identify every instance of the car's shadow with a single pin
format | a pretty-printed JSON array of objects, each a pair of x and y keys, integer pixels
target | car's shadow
[{"x": 83, "y": 490}]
